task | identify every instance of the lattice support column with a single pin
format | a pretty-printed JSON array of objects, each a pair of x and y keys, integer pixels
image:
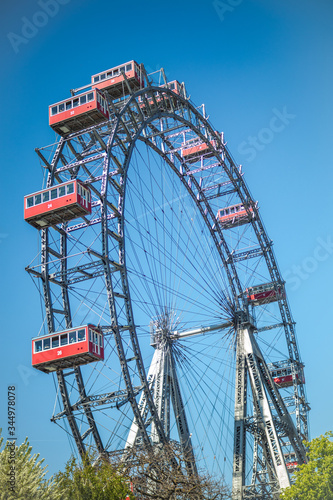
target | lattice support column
[
  {"x": 134, "y": 432},
  {"x": 181, "y": 419},
  {"x": 161, "y": 376},
  {"x": 238, "y": 481},
  {"x": 248, "y": 366}
]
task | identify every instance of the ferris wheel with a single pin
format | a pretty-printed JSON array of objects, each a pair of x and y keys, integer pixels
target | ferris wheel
[{"x": 166, "y": 313}]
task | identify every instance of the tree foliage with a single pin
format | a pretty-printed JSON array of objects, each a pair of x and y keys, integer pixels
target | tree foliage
[
  {"x": 314, "y": 480},
  {"x": 163, "y": 474},
  {"x": 93, "y": 481},
  {"x": 22, "y": 474}
]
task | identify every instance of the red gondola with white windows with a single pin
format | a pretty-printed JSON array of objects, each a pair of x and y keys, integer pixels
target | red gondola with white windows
[
  {"x": 282, "y": 377},
  {"x": 234, "y": 215},
  {"x": 57, "y": 204},
  {"x": 113, "y": 82},
  {"x": 78, "y": 112},
  {"x": 72, "y": 347},
  {"x": 291, "y": 461},
  {"x": 196, "y": 151},
  {"x": 176, "y": 88},
  {"x": 265, "y": 293}
]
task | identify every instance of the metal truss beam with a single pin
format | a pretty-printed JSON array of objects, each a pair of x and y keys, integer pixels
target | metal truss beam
[
  {"x": 114, "y": 399},
  {"x": 246, "y": 254},
  {"x": 81, "y": 162}
]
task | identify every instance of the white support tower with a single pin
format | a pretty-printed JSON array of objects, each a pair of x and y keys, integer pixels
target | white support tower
[
  {"x": 164, "y": 385},
  {"x": 270, "y": 424}
]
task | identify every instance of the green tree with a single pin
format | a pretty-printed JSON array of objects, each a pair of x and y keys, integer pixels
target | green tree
[
  {"x": 162, "y": 474},
  {"x": 22, "y": 474},
  {"x": 93, "y": 481},
  {"x": 314, "y": 480}
]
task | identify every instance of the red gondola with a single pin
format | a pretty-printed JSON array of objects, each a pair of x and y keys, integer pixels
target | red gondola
[
  {"x": 193, "y": 153},
  {"x": 78, "y": 112},
  {"x": 283, "y": 377},
  {"x": 73, "y": 347},
  {"x": 291, "y": 461},
  {"x": 176, "y": 88},
  {"x": 234, "y": 215},
  {"x": 113, "y": 82},
  {"x": 57, "y": 204},
  {"x": 265, "y": 293}
]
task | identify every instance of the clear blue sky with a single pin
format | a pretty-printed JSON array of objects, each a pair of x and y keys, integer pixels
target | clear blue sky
[{"x": 248, "y": 63}]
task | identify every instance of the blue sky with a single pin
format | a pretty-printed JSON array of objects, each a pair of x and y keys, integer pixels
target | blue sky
[{"x": 264, "y": 72}]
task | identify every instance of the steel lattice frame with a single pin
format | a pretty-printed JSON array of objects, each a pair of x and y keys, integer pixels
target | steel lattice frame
[{"x": 94, "y": 251}]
